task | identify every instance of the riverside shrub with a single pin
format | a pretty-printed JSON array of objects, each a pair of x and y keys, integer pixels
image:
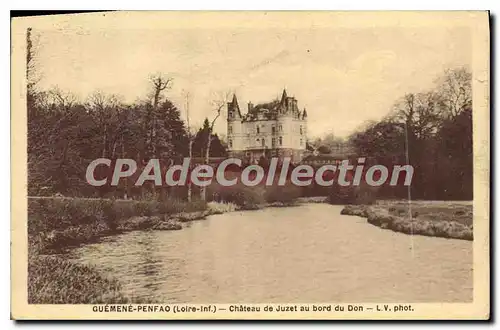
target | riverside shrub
[
  {"x": 59, "y": 222},
  {"x": 53, "y": 280},
  {"x": 286, "y": 194},
  {"x": 245, "y": 197},
  {"x": 362, "y": 194}
]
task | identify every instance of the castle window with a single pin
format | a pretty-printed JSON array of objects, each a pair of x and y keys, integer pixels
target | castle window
[
  {"x": 273, "y": 129},
  {"x": 280, "y": 128},
  {"x": 230, "y": 129},
  {"x": 273, "y": 142},
  {"x": 230, "y": 143},
  {"x": 301, "y": 141},
  {"x": 263, "y": 142},
  {"x": 258, "y": 129},
  {"x": 301, "y": 131},
  {"x": 258, "y": 141},
  {"x": 281, "y": 140}
]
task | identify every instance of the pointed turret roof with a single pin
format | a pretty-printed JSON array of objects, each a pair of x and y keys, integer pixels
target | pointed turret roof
[
  {"x": 283, "y": 96},
  {"x": 235, "y": 100},
  {"x": 234, "y": 104},
  {"x": 304, "y": 114}
]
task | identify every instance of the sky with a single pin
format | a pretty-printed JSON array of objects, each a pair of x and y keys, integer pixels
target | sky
[{"x": 343, "y": 76}]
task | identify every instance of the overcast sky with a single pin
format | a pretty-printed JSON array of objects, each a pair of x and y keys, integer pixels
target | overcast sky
[{"x": 343, "y": 76}]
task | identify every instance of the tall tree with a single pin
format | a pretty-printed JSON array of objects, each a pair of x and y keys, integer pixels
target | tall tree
[
  {"x": 455, "y": 90},
  {"x": 218, "y": 103},
  {"x": 217, "y": 149},
  {"x": 191, "y": 138},
  {"x": 30, "y": 69},
  {"x": 434, "y": 129},
  {"x": 158, "y": 138},
  {"x": 171, "y": 119}
]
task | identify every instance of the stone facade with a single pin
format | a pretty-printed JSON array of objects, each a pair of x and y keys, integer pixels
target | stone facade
[{"x": 274, "y": 129}]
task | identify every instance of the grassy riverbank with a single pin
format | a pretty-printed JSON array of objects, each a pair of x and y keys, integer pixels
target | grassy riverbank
[
  {"x": 56, "y": 224},
  {"x": 256, "y": 197},
  {"x": 54, "y": 280},
  {"x": 427, "y": 218},
  {"x": 59, "y": 223}
]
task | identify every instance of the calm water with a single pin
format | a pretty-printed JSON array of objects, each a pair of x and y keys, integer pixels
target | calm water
[{"x": 309, "y": 253}]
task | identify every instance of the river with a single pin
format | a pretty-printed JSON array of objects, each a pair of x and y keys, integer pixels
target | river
[{"x": 308, "y": 253}]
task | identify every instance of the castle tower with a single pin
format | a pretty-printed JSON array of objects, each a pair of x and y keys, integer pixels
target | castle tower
[
  {"x": 283, "y": 96},
  {"x": 234, "y": 127},
  {"x": 304, "y": 123},
  {"x": 284, "y": 102},
  {"x": 285, "y": 126},
  {"x": 270, "y": 129}
]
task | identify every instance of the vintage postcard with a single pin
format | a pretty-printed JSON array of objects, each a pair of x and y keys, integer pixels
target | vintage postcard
[{"x": 251, "y": 165}]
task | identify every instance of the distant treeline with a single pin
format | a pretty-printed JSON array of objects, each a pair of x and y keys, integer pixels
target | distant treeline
[
  {"x": 433, "y": 131},
  {"x": 65, "y": 135}
]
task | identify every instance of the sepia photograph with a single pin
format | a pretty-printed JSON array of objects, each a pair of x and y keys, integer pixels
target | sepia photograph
[{"x": 251, "y": 165}]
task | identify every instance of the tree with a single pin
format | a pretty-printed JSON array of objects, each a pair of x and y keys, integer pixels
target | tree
[
  {"x": 383, "y": 140},
  {"x": 191, "y": 138},
  {"x": 431, "y": 131},
  {"x": 330, "y": 143},
  {"x": 455, "y": 91},
  {"x": 171, "y": 118},
  {"x": 419, "y": 112},
  {"x": 217, "y": 149},
  {"x": 455, "y": 157},
  {"x": 157, "y": 139},
  {"x": 31, "y": 77},
  {"x": 218, "y": 104},
  {"x": 104, "y": 111}
]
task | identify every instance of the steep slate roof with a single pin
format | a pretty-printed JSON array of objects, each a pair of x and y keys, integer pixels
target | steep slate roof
[
  {"x": 272, "y": 108},
  {"x": 234, "y": 104}
]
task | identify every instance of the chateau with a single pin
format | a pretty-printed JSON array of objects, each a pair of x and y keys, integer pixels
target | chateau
[{"x": 274, "y": 129}]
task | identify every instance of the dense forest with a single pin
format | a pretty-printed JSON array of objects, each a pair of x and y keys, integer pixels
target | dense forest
[
  {"x": 66, "y": 134},
  {"x": 432, "y": 131}
]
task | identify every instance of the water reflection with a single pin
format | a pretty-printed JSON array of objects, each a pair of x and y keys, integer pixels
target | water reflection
[{"x": 301, "y": 254}]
